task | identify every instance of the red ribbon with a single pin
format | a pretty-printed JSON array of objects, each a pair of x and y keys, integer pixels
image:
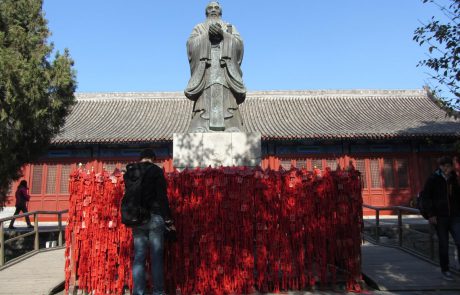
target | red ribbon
[{"x": 239, "y": 229}]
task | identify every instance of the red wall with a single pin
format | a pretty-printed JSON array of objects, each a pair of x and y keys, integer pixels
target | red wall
[{"x": 392, "y": 179}]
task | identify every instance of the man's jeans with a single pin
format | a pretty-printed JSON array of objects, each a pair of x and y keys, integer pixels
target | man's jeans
[
  {"x": 149, "y": 237},
  {"x": 444, "y": 225}
]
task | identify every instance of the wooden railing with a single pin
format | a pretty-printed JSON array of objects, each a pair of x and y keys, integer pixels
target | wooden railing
[
  {"x": 400, "y": 226},
  {"x": 35, "y": 231}
]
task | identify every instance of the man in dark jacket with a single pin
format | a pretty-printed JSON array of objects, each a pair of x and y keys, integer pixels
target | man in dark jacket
[
  {"x": 442, "y": 189},
  {"x": 150, "y": 236}
]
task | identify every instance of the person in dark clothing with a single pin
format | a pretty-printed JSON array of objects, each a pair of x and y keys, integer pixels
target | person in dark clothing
[
  {"x": 22, "y": 197},
  {"x": 442, "y": 189},
  {"x": 150, "y": 236}
]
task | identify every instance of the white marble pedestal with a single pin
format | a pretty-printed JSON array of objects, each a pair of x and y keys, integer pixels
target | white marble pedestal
[{"x": 216, "y": 149}]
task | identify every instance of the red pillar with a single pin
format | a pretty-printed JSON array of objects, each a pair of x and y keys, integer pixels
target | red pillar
[{"x": 168, "y": 165}]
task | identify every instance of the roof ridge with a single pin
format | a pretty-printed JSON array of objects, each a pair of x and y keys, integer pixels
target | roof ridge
[
  {"x": 127, "y": 95},
  {"x": 342, "y": 92},
  {"x": 251, "y": 94}
]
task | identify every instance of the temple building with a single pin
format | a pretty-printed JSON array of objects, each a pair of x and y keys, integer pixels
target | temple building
[{"x": 392, "y": 136}]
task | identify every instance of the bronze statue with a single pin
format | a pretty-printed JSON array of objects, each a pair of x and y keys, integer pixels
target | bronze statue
[{"x": 215, "y": 53}]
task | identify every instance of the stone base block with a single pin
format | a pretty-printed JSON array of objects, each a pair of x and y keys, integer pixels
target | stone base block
[{"x": 216, "y": 149}]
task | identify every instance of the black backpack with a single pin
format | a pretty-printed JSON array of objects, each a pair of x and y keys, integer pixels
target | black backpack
[
  {"x": 423, "y": 204},
  {"x": 133, "y": 210}
]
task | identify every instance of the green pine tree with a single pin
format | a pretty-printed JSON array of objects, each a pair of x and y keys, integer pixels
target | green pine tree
[{"x": 36, "y": 91}]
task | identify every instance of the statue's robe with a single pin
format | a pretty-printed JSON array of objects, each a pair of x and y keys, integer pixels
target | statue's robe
[{"x": 216, "y": 85}]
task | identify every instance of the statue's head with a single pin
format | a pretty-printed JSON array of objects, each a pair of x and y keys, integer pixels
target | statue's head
[{"x": 213, "y": 9}]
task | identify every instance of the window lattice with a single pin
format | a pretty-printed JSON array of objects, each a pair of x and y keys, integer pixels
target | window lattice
[
  {"x": 123, "y": 164},
  {"x": 51, "y": 180},
  {"x": 318, "y": 163},
  {"x": 375, "y": 174},
  {"x": 65, "y": 173},
  {"x": 361, "y": 167},
  {"x": 37, "y": 173},
  {"x": 332, "y": 163},
  {"x": 403, "y": 177},
  {"x": 286, "y": 164},
  {"x": 388, "y": 174},
  {"x": 301, "y": 164},
  {"x": 427, "y": 169},
  {"x": 110, "y": 166}
]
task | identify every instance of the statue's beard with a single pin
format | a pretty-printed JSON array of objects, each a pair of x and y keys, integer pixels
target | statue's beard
[{"x": 213, "y": 19}]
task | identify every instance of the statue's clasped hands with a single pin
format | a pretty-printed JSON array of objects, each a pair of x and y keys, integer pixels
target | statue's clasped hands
[{"x": 215, "y": 31}]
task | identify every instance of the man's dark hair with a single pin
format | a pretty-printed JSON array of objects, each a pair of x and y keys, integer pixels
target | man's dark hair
[
  {"x": 445, "y": 160},
  {"x": 147, "y": 154}
]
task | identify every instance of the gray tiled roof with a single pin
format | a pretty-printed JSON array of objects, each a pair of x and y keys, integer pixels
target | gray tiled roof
[{"x": 344, "y": 114}]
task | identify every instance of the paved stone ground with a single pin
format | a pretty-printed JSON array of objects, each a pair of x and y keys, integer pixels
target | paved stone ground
[
  {"x": 394, "y": 272},
  {"x": 369, "y": 293},
  {"x": 415, "y": 236},
  {"x": 36, "y": 275},
  {"x": 397, "y": 271}
]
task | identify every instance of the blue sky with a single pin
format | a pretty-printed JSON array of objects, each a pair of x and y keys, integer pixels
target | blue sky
[{"x": 139, "y": 45}]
